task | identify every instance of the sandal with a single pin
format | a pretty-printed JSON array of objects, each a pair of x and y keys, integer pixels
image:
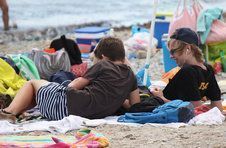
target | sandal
[{"x": 4, "y": 115}]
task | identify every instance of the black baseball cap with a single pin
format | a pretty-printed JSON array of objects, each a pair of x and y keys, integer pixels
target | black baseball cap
[{"x": 186, "y": 35}]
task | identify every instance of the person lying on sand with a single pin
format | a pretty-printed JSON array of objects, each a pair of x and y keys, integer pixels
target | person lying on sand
[
  {"x": 99, "y": 93},
  {"x": 195, "y": 79}
]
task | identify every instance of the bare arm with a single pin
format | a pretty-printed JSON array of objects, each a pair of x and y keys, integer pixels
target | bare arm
[
  {"x": 79, "y": 83},
  {"x": 134, "y": 98},
  {"x": 158, "y": 93},
  {"x": 217, "y": 104}
]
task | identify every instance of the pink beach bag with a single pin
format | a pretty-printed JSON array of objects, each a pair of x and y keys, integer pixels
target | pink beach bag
[
  {"x": 217, "y": 32},
  {"x": 187, "y": 17}
]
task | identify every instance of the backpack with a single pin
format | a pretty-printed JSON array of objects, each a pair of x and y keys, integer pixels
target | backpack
[
  {"x": 70, "y": 46},
  {"x": 49, "y": 63},
  {"x": 173, "y": 111},
  {"x": 148, "y": 102},
  {"x": 62, "y": 77}
]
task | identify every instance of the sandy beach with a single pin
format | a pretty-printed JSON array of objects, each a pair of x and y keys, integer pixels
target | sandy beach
[{"x": 129, "y": 136}]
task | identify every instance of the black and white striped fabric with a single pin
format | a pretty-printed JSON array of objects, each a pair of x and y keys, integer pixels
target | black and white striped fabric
[{"x": 52, "y": 102}]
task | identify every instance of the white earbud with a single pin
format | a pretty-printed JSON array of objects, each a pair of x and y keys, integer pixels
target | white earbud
[{"x": 187, "y": 51}]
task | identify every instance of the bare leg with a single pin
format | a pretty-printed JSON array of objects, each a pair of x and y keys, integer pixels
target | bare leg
[
  {"x": 25, "y": 98},
  {"x": 5, "y": 14}
]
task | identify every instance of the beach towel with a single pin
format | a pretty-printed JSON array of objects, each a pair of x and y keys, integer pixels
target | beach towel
[
  {"x": 10, "y": 82},
  {"x": 26, "y": 66},
  {"x": 210, "y": 26},
  {"x": 83, "y": 138},
  {"x": 88, "y": 138},
  {"x": 170, "y": 74},
  {"x": 11, "y": 63},
  {"x": 68, "y": 124},
  {"x": 32, "y": 141}
]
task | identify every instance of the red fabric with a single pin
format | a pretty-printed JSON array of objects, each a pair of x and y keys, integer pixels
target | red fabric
[
  {"x": 201, "y": 109},
  {"x": 49, "y": 50},
  {"x": 79, "y": 69}
]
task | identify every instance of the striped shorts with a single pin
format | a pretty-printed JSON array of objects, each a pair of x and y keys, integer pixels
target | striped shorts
[{"x": 52, "y": 102}]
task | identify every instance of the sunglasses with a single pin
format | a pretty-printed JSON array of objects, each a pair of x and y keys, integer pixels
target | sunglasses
[{"x": 173, "y": 51}]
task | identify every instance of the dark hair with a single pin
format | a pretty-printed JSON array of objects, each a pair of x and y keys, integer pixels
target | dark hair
[{"x": 110, "y": 47}]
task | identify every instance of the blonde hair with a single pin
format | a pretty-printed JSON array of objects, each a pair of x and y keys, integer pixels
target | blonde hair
[{"x": 180, "y": 46}]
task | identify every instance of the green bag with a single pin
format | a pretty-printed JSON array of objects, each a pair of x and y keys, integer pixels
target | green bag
[{"x": 213, "y": 51}]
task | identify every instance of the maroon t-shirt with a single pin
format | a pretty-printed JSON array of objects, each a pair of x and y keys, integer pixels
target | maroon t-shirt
[{"x": 110, "y": 84}]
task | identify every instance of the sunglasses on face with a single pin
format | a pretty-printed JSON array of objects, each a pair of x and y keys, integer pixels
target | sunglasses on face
[
  {"x": 173, "y": 51},
  {"x": 180, "y": 48}
]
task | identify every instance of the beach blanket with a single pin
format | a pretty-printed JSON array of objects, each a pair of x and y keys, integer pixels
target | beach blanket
[
  {"x": 76, "y": 122},
  {"x": 26, "y": 66},
  {"x": 32, "y": 141},
  {"x": 82, "y": 138},
  {"x": 67, "y": 124}
]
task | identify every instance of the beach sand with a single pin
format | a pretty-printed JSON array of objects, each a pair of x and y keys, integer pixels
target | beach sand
[{"x": 145, "y": 135}]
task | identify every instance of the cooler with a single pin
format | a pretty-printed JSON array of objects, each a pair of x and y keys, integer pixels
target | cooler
[
  {"x": 88, "y": 37},
  {"x": 168, "y": 62},
  {"x": 161, "y": 27}
]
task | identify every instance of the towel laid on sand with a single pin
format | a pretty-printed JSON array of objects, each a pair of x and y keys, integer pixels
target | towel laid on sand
[
  {"x": 76, "y": 122},
  {"x": 82, "y": 138}
]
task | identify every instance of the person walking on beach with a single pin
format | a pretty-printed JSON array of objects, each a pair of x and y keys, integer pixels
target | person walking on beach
[
  {"x": 5, "y": 14},
  {"x": 99, "y": 93},
  {"x": 196, "y": 78}
]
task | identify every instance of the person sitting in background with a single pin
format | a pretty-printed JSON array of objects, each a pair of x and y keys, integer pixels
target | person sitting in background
[
  {"x": 99, "y": 93},
  {"x": 5, "y": 14},
  {"x": 196, "y": 78}
]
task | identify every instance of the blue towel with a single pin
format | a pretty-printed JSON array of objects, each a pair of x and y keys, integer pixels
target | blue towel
[{"x": 173, "y": 111}]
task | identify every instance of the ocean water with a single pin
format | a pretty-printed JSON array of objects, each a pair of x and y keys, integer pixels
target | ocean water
[{"x": 44, "y": 13}]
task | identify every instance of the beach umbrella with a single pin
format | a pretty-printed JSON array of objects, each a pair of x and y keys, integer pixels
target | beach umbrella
[{"x": 150, "y": 44}]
